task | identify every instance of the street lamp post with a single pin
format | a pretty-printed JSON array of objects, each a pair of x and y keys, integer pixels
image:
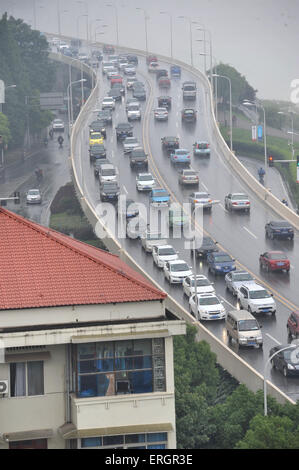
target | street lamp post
[
  {"x": 70, "y": 100},
  {"x": 116, "y": 21},
  {"x": 211, "y": 51},
  {"x": 170, "y": 25},
  {"x": 78, "y": 18},
  {"x": 145, "y": 26},
  {"x": 230, "y": 107}
]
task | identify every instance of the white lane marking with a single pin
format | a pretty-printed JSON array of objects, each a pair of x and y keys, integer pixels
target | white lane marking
[
  {"x": 231, "y": 305},
  {"x": 112, "y": 153},
  {"x": 252, "y": 234},
  {"x": 273, "y": 339},
  {"x": 292, "y": 267},
  {"x": 125, "y": 189},
  {"x": 204, "y": 186},
  {"x": 177, "y": 124}
]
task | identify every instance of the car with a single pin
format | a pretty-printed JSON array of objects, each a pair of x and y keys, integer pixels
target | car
[
  {"x": 189, "y": 90},
  {"x": 115, "y": 94},
  {"x": 105, "y": 116},
  {"x": 235, "y": 279},
  {"x": 256, "y": 299},
  {"x": 130, "y": 143},
  {"x": 131, "y": 101},
  {"x": 120, "y": 87},
  {"x": 163, "y": 253},
  {"x": 161, "y": 114},
  {"x": 134, "y": 112},
  {"x": 175, "y": 271},
  {"x": 202, "y": 285},
  {"x": 106, "y": 66},
  {"x": 177, "y": 218},
  {"x": 107, "y": 49},
  {"x": 188, "y": 177},
  {"x": 153, "y": 67},
  {"x": 128, "y": 209},
  {"x": 97, "y": 164},
  {"x": 135, "y": 227},
  {"x": 113, "y": 58},
  {"x": 107, "y": 172},
  {"x": 286, "y": 361},
  {"x": 132, "y": 59},
  {"x": 159, "y": 197},
  {"x": 170, "y": 143},
  {"x": 164, "y": 82},
  {"x": 220, "y": 262},
  {"x": 274, "y": 261},
  {"x": 242, "y": 327},
  {"x": 293, "y": 324},
  {"x": 139, "y": 93},
  {"x": 96, "y": 138},
  {"x": 279, "y": 229},
  {"x": 161, "y": 73},
  {"x": 175, "y": 71},
  {"x": 123, "y": 130},
  {"x": 97, "y": 152},
  {"x": 98, "y": 126},
  {"x": 130, "y": 70},
  {"x": 180, "y": 156},
  {"x": 201, "y": 149},
  {"x": 138, "y": 158},
  {"x": 189, "y": 115},
  {"x": 33, "y": 196},
  {"x": 237, "y": 202},
  {"x": 138, "y": 84},
  {"x": 122, "y": 63},
  {"x": 130, "y": 81},
  {"x": 164, "y": 102},
  {"x": 145, "y": 182},
  {"x": 204, "y": 246},
  {"x": 206, "y": 307},
  {"x": 109, "y": 190},
  {"x": 58, "y": 125},
  {"x": 201, "y": 199},
  {"x": 116, "y": 79},
  {"x": 112, "y": 72},
  {"x": 151, "y": 58},
  {"x": 150, "y": 238},
  {"x": 108, "y": 103}
]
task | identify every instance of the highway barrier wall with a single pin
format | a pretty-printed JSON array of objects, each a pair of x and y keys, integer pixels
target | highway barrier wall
[{"x": 227, "y": 358}]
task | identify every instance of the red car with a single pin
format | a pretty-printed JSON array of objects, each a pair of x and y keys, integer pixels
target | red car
[
  {"x": 151, "y": 58},
  {"x": 164, "y": 82},
  {"x": 293, "y": 324},
  {"x": 275, "y": 261},
  {"x": 116, "y": 79}
]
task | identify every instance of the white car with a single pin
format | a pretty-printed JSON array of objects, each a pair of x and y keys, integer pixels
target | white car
[
  {"x": 161, "y": 114},
  {"x": 164, "y": 253},
  {"x": 58, "y": 125},
  {"x": 108, "y": 103},
  {"x": 145, "y": 182},
  {"x": 256, "y": 299},
  {"x": 175, "y": 271},
  {"x": 203, "y": 285},
  {"x": 236, "y": 279},
  {"x": 107, "y": 172},
  {"x": 129, "y": 69},
  {"x": 207, "y": 307},
  {"x": 151, "y": 238},
  {"x": 133, "y": 112},
  {"x": 130, "y": 143},
  {"x": 33, "y": 196}
]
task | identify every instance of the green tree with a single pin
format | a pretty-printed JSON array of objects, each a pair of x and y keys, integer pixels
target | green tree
[
  {"x": 4, "y": 129},
  {"x": 241, "y": 90}
]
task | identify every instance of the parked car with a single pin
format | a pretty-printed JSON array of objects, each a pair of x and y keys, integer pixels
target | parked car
[
  {"x": 256, "y": 299},
  {"x": 220, "y": 262},
  {"x": 293, "y": 324},
  {"x": 97, "y": 151},
  {"x": 201, "y": 149},
  {"x": 274, "y": 261},
  {"x": 107, "y": 172},
  {"x": 286, "y": 361},
  {"x": 188, "y": 177},
  {"x": 109, "y": 190},
  {"x": 237, "y": 202},
  {"x": 134, "y": 112},
  {"x": 138, "y": 158},
  {"x": 145, "y": 182},
  {"x": 163, "y": 253},
  {"x": 123, "y": 130},
  {"x": 161, "y": 114},
  {"x": 175, "y": 271},
  {"x": 108, "y": 103},
  {"x": 130, "y": 143},
  {"x": 151, "y": 238},
  {"x": 201, "y": 286},
  {"x": 204, "y": 247},
  {"x": 279, "y": 229},
  {"x": 175, "y": 71},
  {"x": 58, "y": 125},
  {"x": 164, "y": 82},
  {"x": 170, "y": 143},
  {"x": 207, "y": 307},
  {"x": 164, "y": 102},
  {"x": 159, "y": 197},
  {"x": 201, "y": 199},
  {"x": 189, "y": 115},
  {"x": 235, "y": 279},
  {"x": 97, "y": 126},
  {"x": 33, "y": 196},
  {"x": 180, "y": 156}
]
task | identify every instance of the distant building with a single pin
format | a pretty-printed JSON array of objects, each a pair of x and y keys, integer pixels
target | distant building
[{"x": 87, "y": 346}]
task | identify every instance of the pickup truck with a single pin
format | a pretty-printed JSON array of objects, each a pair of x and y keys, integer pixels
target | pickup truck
[
  {"x": 123, "y": 130},
  {"x": 150, "y": 239}
]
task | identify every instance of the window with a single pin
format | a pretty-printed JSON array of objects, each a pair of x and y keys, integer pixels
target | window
[
  {"x": 26, "y": 378},
  {"x": 120, "y": 367},
  {"x": 157, "y": 440}
]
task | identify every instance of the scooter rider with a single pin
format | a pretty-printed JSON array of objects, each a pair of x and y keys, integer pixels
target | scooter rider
[{"x": 60, "y": 140}]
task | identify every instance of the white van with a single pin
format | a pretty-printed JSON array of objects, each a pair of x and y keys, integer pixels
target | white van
[{"x": 243, "y": 327}]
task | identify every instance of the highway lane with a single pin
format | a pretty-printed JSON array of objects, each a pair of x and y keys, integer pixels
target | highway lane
[{"x": 228, "y": 229}]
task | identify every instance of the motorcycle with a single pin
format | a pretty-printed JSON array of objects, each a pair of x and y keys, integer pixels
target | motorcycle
[{"x": 39, "y": 174}]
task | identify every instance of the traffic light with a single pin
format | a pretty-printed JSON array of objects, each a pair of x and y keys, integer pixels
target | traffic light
[{"x": 270, "y": 160}]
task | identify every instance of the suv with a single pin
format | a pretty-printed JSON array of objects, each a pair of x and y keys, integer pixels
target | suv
[
  {"x": 256, "y": 299},
  {"x": 188, "y": 176},
  {"x": 109, "y": 190},
  {"x": 188, "y": 115},
  {"x": 170, "y": 143},
  {"x": 279, "y": 229},
  {"x": 237, "y": 202},
  {"x": 97, "y": 152},
  {"x": 164, "y": 102},
  {"x": 207, "y": 307},
  {"x": 138, "y": 158},
  {"x": 293, "y": 324},
  {"x": 98, "y": 126},
  {"x": 123, "y": 130}
]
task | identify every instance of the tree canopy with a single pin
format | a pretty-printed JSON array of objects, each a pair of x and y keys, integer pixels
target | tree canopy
[{"x": 241, "y": 90}]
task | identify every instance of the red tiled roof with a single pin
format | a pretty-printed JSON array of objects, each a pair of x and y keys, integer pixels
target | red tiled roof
[{"x": 41, "y": 267}]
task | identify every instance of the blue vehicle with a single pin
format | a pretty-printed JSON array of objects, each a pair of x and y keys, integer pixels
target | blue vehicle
[
  {"x": 175, "y": 71},
  {"x": 159, "y": 197},
  {"x": 201, "y": 148},
  {"x": 220, "y": 262},
  {"x": 180, "y": 156}
]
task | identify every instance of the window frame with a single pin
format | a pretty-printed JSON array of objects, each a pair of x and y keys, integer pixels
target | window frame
[{"x": 27, "y": 395}]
